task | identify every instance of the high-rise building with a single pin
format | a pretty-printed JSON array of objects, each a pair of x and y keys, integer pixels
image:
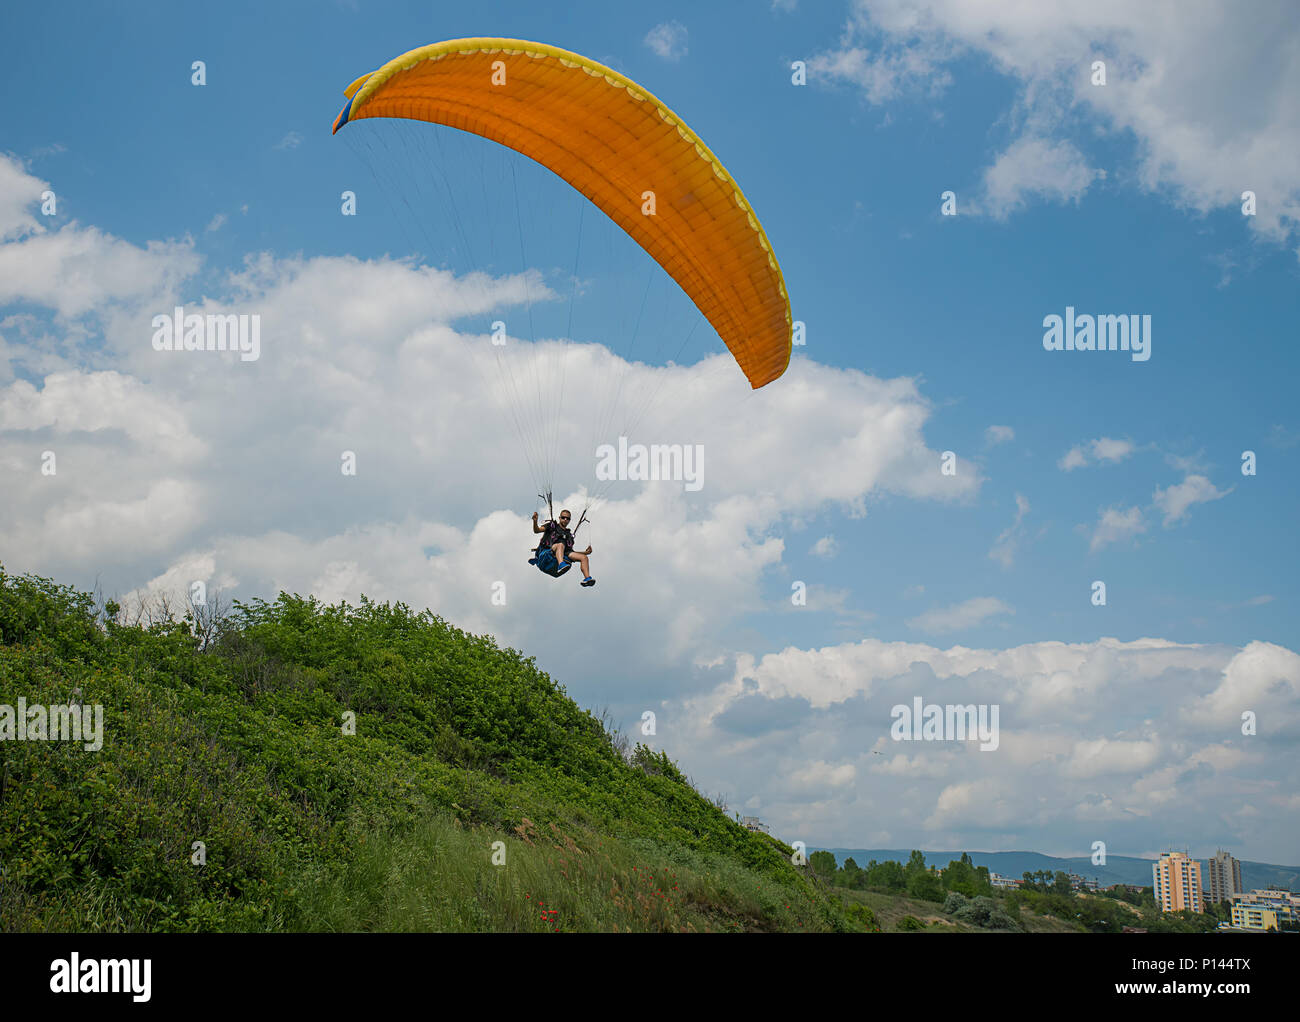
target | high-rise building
[
  {"x": 1225, "y": 877},
  {"x": 1177, "y": 881}
]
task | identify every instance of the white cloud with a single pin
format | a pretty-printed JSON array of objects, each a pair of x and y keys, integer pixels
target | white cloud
[
  {"x": 1099, "y": 756},
  {"x": 76, "y": 271},
  {"x": 79, "y": 271},
  {"x": 1106, "y": 449},
  {"x": 1262, "y": 678},
  {"x": 1143, "y": 736},
  {"x": 1035, "y": 168},
  {"x": 1175, "y": 501},
  {"x": 825, "y": 547},
  {"x": 995, "y": 435},
  {"x": 882, "y": 75},
  {"x": 959, "y": 616},
  {"x": 75, "y": 530},
  {"x": 1102, "y": 449},
  {"x": 170, "y": 450},
  {"x": 20, "y": 196},
  {"x": 668, "y": 40},
  {"x": 1175, "y": 84},
  {"x": 820, "y": 775},
  {"x": 1116, "y": 525},
  {"x": 1072, "y": 459}
]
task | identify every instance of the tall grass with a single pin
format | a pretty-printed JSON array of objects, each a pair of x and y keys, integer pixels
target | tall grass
[{"x": 444, "y": 877}]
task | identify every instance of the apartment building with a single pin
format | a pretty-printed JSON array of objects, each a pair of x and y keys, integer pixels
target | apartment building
[
  {"x": 1225, "y": 877},
  {"x": 1177, "y": 882}
]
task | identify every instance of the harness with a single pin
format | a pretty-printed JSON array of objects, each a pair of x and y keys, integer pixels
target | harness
[
  {"x": 546, "y": 563},
  {"x": 543, "y": 555}
]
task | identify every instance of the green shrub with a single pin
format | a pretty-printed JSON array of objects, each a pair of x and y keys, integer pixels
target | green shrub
[{"x": 230, "y": 748}]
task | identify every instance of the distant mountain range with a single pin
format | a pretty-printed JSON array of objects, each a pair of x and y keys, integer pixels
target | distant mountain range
[{"x": 1119, "y": 869}]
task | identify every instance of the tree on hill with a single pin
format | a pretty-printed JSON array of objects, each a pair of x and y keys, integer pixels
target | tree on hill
[
  {"x": 926, "y": 886},
  {"x": 960, "y": 876},
  {"x": 852, "y": 875},
  {"x": 886, "y": 876},
  {"x": 823, "y": 864}
]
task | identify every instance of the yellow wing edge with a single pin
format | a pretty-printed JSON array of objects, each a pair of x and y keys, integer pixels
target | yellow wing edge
[{"x": 366, "y": 86}]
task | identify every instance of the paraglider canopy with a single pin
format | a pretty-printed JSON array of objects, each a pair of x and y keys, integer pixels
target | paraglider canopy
[{"x": 620, "y": 147}]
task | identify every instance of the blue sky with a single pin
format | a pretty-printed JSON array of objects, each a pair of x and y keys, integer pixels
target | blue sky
[{"x": 924, "y": 336}]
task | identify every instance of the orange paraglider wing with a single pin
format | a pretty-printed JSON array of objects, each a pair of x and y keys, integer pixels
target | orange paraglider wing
[{"x": 625, "y": 151}]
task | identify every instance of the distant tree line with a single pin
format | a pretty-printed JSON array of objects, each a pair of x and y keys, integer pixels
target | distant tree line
[
  {"x": 1044, "y": 892},
  {"x": 915, "y": 878}
]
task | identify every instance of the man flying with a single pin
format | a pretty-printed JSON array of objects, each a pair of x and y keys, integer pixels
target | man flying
[{"x": 557, "y": 536}]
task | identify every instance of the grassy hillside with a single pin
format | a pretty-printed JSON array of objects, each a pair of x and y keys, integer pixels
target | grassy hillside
[{"x": 310, "y": 767}]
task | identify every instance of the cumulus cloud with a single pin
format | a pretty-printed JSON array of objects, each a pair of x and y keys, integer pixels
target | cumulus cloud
[
  {"x": 995, "y": 435},
  {"x": 76, "y": 271},
  {"x": 79, "y": 271},
  {"x": 1264, "y": 679},
  {"x": 1113, "y": 729},
  {"x": 1175, "y": 85},
  {"x": 168, "y": 452},
  {"x": 668, "y": 40},
  {"x": 1175, "y": 501}
]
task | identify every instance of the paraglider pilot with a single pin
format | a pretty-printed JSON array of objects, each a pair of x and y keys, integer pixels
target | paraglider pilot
[{"x": 557, "y": 536}]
